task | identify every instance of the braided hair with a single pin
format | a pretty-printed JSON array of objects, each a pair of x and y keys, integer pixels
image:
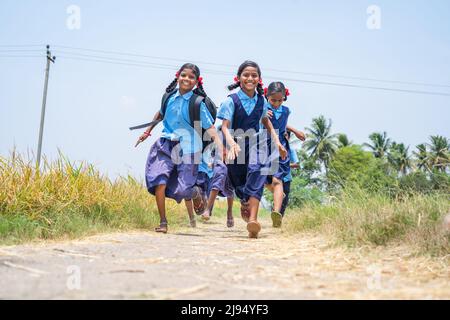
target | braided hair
[
  {"x": 199, "y": 90},
  {"x": 276, "y": 87},
  {"x": 241, "y": 68}
]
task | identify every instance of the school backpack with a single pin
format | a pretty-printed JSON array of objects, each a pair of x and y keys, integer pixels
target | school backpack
[{"x": 194, "y": 112}]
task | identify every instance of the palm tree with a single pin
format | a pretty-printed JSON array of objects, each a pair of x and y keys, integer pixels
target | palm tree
[
  {"x": 380, "y": 144},
  {"x": 422, "y": 157},
  {"x": 439, "y": 153},
  {"x": 399, "y": 158},
  {"x": 320, "y": 143},
  {"x": 343, "y": 140}
]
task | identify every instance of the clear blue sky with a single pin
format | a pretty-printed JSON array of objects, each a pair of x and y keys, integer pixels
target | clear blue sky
[{"x": 91, "y": 105}]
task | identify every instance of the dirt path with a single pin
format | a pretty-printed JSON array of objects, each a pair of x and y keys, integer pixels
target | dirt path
[{"x": 213, "y": 262}]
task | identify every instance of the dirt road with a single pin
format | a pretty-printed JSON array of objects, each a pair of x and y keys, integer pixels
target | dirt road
[{"x": 213, "y": 262}]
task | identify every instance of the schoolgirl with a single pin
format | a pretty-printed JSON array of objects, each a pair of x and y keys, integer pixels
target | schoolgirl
[
  {"x": 276, "y": 93},
  {"x": 172, "y": 164},
  {"x": 243, "y": 112}
]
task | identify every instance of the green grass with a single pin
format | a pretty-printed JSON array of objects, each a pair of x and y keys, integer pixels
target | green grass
[{"x": 357, "y": 218}]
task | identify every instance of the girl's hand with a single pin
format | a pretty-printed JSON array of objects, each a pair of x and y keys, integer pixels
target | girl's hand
[
  {"x": 300, "y": 135},
  {"x": 233, "y": 152},
  {"x": 283, "y": 151},
  {"x": 269, "y": 114},
  {"x": 142, "y": 138}
]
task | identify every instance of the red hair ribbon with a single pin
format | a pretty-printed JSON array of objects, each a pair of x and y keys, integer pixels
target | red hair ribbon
[
  {"x": 177, "y": 74},
  {"x": 236, "y": 79},
  {"x": 265, "y": 91},
  {"x": 287, "y": 93},
  {"x": 200, "y": 81},
  {"x": 260, "y": 82}
]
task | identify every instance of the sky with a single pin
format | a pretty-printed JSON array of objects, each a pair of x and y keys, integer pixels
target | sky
[{"x": 91, "y": 104}]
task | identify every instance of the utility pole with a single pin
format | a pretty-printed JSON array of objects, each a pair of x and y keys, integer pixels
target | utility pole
[{"x": 44, "y": 101}]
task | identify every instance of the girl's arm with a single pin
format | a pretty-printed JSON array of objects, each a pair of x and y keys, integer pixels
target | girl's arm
[
  {"x": 299, "y": 134},
  {"x": 147, "y": 132},
  {"x": 268, "y": 125},
  {"x": 212, "y": 132},
  {"x": 158, "y": 116},
  {"x": 234, "y": 147}
]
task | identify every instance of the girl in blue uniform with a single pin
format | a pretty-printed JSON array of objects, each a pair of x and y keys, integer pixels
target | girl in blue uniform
[
  {"x": 276, "y": 94},
  {"x": 287, "y": 180},
  {"x": 220, "y": 185},
  {"x": 172, "y": 163},
  {"x": 203, "y": 181},
  {"x": 242, "y": 112}
]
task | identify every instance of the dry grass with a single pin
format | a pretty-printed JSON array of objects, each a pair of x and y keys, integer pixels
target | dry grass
[
  {"x": 67, "y": 200},
  {"x": 358, "y": 218}
]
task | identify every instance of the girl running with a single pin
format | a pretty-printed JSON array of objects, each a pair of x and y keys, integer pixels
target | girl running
[
  {"x": 242, "y": 112},
  {"x": 276, "y": 94},
  {"x": 172, "y": 163}
]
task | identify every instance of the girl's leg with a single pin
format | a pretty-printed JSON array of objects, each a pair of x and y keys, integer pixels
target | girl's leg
[
  {"x": 253, "y": 225},
  {"x": 277, "y": 185},
  {"x": 212, "y": 198},
  {"x": 286, "y": 190},
  {"x": 190, "y": 210},
  {"x": 160, "y": 194},
  {"x": 230, "y": 220},
  {"x": 269, "y": 187},
  {"x": 277, "y": 203}
]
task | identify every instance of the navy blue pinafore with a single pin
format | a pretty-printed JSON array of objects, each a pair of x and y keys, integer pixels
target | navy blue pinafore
[
  {"x": 280, "y": 125},
  {"x": 246, "y": 177}
]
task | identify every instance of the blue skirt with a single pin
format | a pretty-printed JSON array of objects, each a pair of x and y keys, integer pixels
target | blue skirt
[
  {"x": 248, "y": 179},
  {"x": 220, "y": 180},
  {"x": 203, "y": 181},
  {"x": 177, "y": 172},
  {"x": 275, "y": 160}
]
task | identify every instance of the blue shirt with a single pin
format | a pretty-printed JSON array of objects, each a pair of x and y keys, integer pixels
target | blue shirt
[
  {"x": 277, "y": 112},
  {"x": 206, "y": 165},
  {"x": 177, "y": 125},
  {"x": 294, "y": 159},
  {"x": 226, "y": 110}
]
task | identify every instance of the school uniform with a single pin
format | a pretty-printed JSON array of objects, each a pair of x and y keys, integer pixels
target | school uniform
[
  {"x": 219, "y": 180},
  {"x": 287, "y": 181},
  {"x": 205, "y": 173},
  {"x": 174, "y": 159},
  {"x": 279, "y": 122},
  {"x": 245, "y": 113}
]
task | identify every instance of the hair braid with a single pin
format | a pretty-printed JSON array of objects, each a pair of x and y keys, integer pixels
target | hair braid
[
  {"x": 260, "y": 89},
  {"x": 172, "y": 85},
  {"x": 234, "y": 85},
  {"x": 200, "y": 90}
]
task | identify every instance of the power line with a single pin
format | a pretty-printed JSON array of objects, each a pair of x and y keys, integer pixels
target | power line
[
  {"x": 268, "y": 69},
  {"x": 22, "y": 45},
  {"x": 129, "y": 62},
  {"x": 116, "y": 62},
  {"x": 22, "y": 50},
  {"x": 20, "y": 56},
  {"x": 113, "y": 59}
]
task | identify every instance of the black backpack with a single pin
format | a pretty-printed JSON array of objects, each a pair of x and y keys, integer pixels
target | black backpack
[{"x": 194, "y": 112}]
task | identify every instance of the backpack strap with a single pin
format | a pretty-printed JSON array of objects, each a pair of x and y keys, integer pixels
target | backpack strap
[
  {"x": 164, "y": 100},
  {"x": 194, "y": 113},
  {"x": 194, "y": 108}
]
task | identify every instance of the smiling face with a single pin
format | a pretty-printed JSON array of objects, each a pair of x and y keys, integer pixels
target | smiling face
[
  {"x": 187, "y": 80},
  {"x": 276, "y": 99},
  {"x": 249, "y": 79}
]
